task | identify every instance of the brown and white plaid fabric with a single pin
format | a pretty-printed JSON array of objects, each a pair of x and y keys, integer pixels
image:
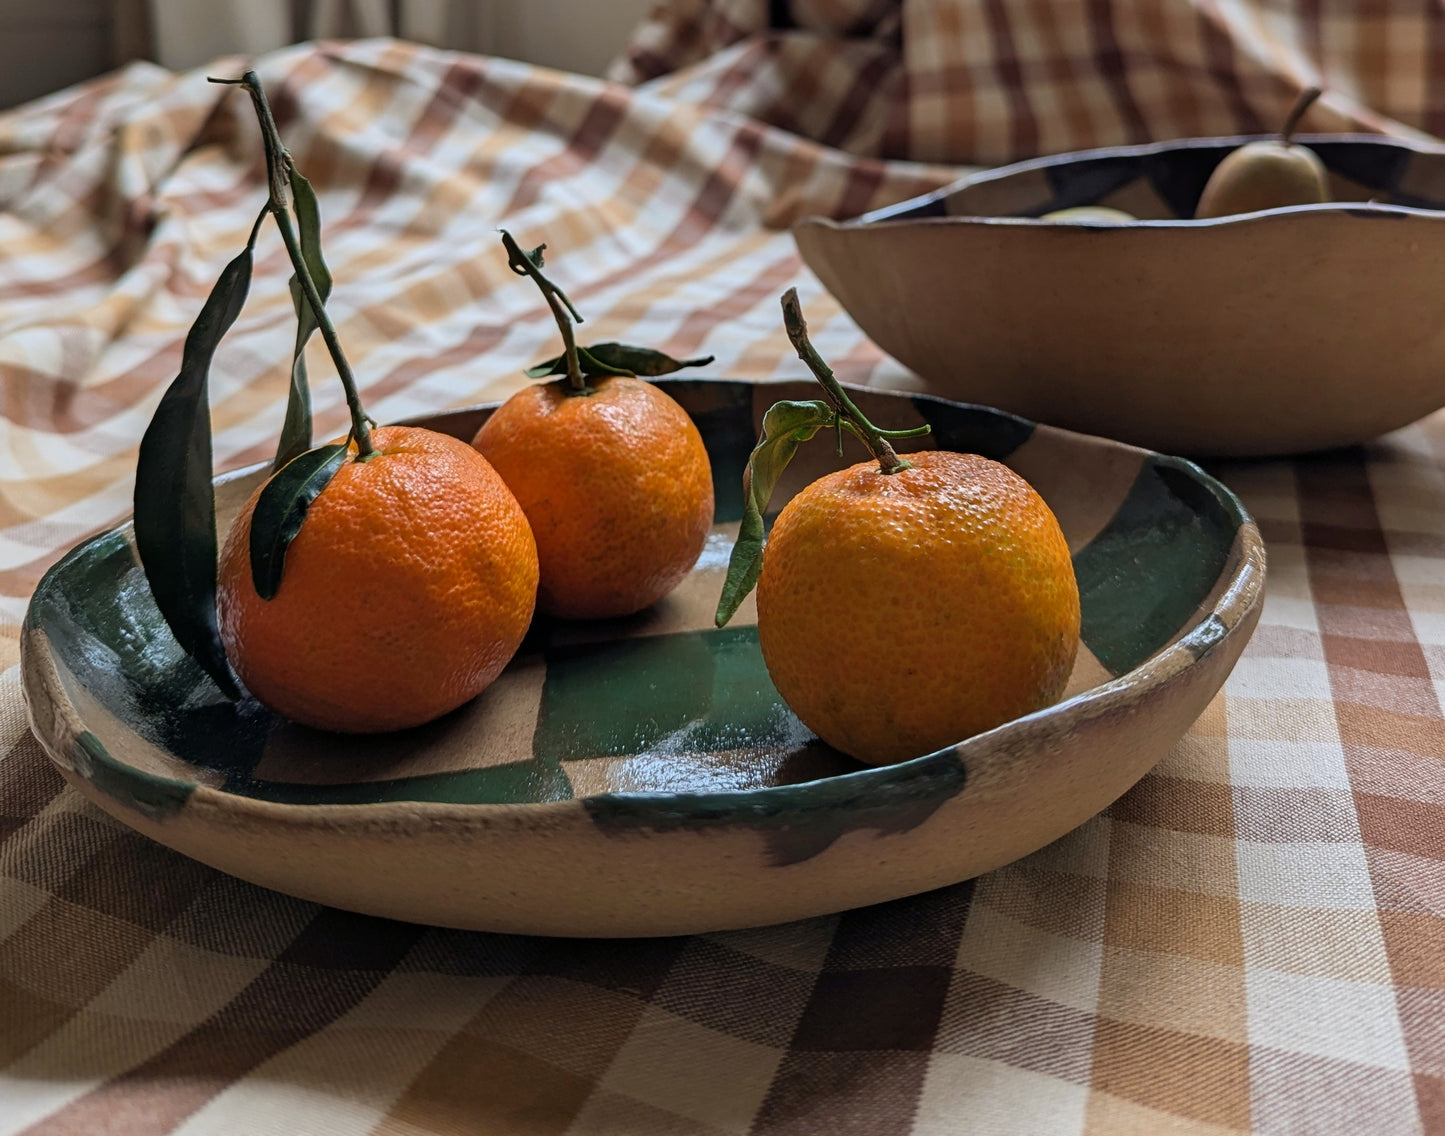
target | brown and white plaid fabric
[
  {"x": 1252, "y": 940},
  {"x": 993, "y": 81}
]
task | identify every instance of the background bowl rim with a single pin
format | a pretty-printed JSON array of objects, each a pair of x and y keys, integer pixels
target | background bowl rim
[
  {"x": 1145, "y": 150},
  {"x": 1361, "y": 210}
]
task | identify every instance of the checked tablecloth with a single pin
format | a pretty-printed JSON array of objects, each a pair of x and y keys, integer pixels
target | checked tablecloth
[{"x": 1252, "y": 940}]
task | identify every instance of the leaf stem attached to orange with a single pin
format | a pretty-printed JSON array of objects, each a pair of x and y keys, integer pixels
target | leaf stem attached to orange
[
  {"x": 848, "y": 414},
  {"x": 785, "y": 426},
  {"x": 529, "y": 263}
]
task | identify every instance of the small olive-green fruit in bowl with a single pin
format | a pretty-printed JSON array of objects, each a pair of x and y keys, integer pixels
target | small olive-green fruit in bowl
[
  {"x": 1268, "y": 174},
  {"x": 1090, "y": 213},
  {"x": 1267, "y": 332}
]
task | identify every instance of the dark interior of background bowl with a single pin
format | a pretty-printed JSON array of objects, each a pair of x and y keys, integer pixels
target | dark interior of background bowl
[
  {"x": 1163, "y": 181},
  {"x": 662, "y": 701}
]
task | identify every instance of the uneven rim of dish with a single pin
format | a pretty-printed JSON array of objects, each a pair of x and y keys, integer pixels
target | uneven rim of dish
[
  {"x": 1241, "y": 594},
  {"x": 1364, "y": 210},
  {"x": 896, "y": 213}
]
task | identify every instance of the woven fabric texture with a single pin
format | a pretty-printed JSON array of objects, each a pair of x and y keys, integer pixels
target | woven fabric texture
[{"x": 1252, "y": 940}]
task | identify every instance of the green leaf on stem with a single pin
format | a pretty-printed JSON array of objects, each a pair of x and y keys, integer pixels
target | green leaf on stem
[
  {"x": 617, "y": 359},
  {"x": 281, "y": 508},
  {"x": 786, "y": 425},
  {"x": 296, "y": 432},
  {"x": 175, "y": 511},
  {"x": 591, "y": 366},
  {"x": 643, "y": 361}
]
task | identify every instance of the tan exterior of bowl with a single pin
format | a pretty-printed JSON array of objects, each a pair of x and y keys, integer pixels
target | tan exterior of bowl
[
  {"x": 620, "y": 859},
  {"x": 1269, "y": 333},
  {"x": 552, "y": 869}
]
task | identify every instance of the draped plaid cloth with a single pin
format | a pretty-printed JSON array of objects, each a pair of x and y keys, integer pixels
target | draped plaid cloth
[{"x": 1250, "y": 940}]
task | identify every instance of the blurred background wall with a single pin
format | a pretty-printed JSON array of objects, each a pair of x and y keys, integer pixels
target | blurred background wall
[{"x": 49, "y": 44}]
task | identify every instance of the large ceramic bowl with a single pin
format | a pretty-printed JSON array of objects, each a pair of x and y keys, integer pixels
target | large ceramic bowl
[
  {"x": 642, "y": 777},
  {"x": 1262, "y": 333}
]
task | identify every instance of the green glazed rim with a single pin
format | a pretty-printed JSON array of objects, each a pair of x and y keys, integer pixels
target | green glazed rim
[{"x": 1177, "y": 536}]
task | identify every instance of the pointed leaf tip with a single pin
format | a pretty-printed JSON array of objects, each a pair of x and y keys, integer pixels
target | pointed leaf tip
[
  {"x": 786, "y": 425},
  {"x": 175, "y": 510},
  {"x": 603, "y": 359},
  {"x": 642, "y": 361}
]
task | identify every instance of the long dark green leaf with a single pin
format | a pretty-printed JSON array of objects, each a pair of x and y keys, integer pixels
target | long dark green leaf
[
  {"x": 591, "y": 366},
  {"x": 296, "y": 428},
  {"x": 603, "y": 359},
  {"x": 281, "y": 509},
  {"x": 642, "y": 360},
  {"x": 296, "y": 431},
  {"x": 785, "y": 426},
  {"x": 175, "y": 511}
]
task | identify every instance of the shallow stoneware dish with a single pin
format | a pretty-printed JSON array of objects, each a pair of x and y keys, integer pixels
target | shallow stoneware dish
[
  {"x": 1261, "y": 333},
  {"x": 642, "y": 777}
]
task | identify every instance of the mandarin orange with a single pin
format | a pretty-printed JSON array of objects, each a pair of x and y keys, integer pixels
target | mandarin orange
[
  {"x": 901, "y": 612},
  {"x": 616, "y": 484},
  {"x": 408, "y": 588}
]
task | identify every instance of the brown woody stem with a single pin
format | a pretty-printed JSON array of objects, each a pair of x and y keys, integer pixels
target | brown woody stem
[
  {"x": 278, "y": 165},
  {"x": 872, "y": 437},
  {"x": 523, "y": 264},
  {"x": 1297, "y": 112}
]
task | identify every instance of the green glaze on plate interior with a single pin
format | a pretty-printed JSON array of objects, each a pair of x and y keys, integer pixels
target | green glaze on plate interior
[
  {"x": 642, "y": 776},
  {"x": 1261, "y": 333}
]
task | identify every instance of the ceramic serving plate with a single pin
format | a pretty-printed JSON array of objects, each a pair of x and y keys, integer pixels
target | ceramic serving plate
[
  {"x": 1261, "y": 333},
  {"x": 642, "y": 777}
]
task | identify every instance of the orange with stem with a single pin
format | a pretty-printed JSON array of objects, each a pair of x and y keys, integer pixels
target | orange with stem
[
  {"x": 377, "y": 583},
  {"x": 906, "y": 604},
  {"x": 407, "y": 590},
  {"x": 612, "y": 475}
]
